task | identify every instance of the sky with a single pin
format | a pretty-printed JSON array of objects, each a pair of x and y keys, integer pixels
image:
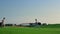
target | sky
[{"x": 26, "y": 11}]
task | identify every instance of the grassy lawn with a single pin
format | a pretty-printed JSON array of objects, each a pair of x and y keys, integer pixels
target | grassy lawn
[{"x": 28, "y": 30}]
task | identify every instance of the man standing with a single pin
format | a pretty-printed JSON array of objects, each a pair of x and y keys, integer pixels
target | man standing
[{"x": 2, "y": 23}]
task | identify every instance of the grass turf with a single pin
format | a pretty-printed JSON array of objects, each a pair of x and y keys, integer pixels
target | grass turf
[{"x": 29, "y": 30}]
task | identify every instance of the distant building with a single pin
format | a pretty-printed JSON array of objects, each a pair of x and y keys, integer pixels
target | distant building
[
  {"x": 25, "y": 24},
  {"x": 31, "y": 24}
]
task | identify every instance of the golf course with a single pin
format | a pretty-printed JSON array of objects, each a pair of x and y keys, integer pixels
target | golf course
[{"x": 31, "y": 30}]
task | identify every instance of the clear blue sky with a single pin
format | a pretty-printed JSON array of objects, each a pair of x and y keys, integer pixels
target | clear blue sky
[{"x": 22, "y": 11}]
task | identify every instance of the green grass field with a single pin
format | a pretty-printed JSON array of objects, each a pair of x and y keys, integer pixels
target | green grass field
[{"x": 30, "y": 30}]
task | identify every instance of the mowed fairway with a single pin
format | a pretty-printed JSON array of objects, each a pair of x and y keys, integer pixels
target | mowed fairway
[{"x": 29, "y": 30}]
